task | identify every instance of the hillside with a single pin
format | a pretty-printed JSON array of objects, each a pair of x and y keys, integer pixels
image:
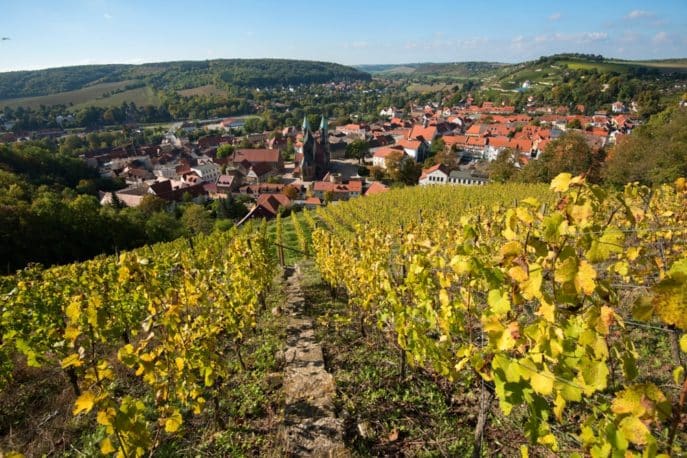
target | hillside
[
  {"x": 168, "y": 75},
  {"x": 457, "y": 70},
  {"x": 545, "y": 71},
  {"x": 548, "y": 71}
]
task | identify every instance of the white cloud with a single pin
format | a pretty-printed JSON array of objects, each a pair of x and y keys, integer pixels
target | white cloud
[
  {"x": 639, "y": 14},
  {"x": 661, "y": 38},
  {"x": 555, "y": 16},
  {"x": 107, "y": 16}
]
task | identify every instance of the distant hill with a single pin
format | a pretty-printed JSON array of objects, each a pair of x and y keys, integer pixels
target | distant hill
[
  {"x": 458, "y": 70},
  {"x": 545, "y": 71},
  {"x": 548, "y": 71},
  {"x": 173, "y": 75}
]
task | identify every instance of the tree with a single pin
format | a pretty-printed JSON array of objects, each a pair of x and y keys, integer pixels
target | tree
[
  {"x": 289, "y": 151},
  {"x": 358, "y": 149},
  {"x": 655, "y": 152},
  {"x": 438, "y": 146},
  {"x": 503, "y": 168},
  {"x": 376, "y": 173},
  {"x": 290, "y": 191},
  {"x": 649, "y": 103},
  {"x": 574, "y": 124},
  {"x": 152, "y": 204},
  {"x": 569, "y": 153},
  {"x": 196, "y": 220},
  {"x": 225, "y": 150},
  {"x": 162, "y": 227}
]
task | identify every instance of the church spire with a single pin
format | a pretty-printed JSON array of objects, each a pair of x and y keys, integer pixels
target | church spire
[{"x": 324, "y": 126}]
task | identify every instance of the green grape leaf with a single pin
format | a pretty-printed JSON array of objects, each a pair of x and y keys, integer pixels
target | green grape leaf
[{"x": 611, "y": 241}]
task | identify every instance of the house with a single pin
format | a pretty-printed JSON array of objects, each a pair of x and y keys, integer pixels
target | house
[
  {"x": 381, "y": 154},
  {"x": 164, "y": 190},
  {"x": 268, "y": 205},
  {"x": 618, "y": 107},
  {"x": 312, "y": 202},
  {"x": 259, "y": 173},
  {"x": 458, "y": 177},
  {"x": 227, "y": 183},
  {"x": 336, "y": 189},
  {"x": 424, "y": 132},
  {"x": 437, "y": 174},
  {"x": 130, "y": 197},
  {"x": 417, "y": 149},
  {"x": 271, "y": 157},
  {"x": 208, "y": 172},
  {"x": 376, "y": 188}
]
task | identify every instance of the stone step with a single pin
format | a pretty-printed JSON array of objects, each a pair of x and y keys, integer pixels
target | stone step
[{"x": 310, "y": 424}]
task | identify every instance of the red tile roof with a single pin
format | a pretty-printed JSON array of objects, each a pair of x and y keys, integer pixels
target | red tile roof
[
  {"x": 376, "y": 188},
  {"x": 427, "y": 133},
  {"x": 256, "y": 155}
]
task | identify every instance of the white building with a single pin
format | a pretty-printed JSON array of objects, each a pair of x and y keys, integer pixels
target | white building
[{"x": 208, "y": 172}]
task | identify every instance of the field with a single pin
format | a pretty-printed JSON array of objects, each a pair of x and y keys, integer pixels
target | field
[
  {"x": 141, "y": 96},
  {"x": 420, "y": 88},
  {"x": 89, "y": 95},
  {"x": 209, "y": 90}
]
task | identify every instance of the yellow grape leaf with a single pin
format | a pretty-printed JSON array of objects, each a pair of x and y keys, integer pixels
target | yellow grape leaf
[
  {"x": 105, "y": 417},
  {"x": 123, "y": 274},
  {"x": 531, "y": 288},
  {"x": 512, "y": 248},
  {"x": 582, "y": 213},
  {"x": 634, "y": 430},
  {"x": 499, "y": 302},
  {"x": 559, "y": 406},
  {"x": 106, "y": 446},
  {"x": 84, "y": 403},
  {"x": 443, "y": 298},
  {"x": 173, "y": 422},
  {"x": 670, "y": 299},
  {"x": 73, "y": 311},
  {"x": 180, "y": 363},
  {"x": 567, "y": 270},
  {"x": 13, "y": 454},
  {"x": 518, "y": 274},
  {"x": 546, "y": 311},
  {"x": 683, "y": 343},
  {"x": 542, "y": 382},
  {"x": 561, "y": 183},
  {"x": 524, "y": 451},
  {"x": 678, "y": 374},
  {"x": 71, "y": 360},
  {"x": 584, "y": 279}
]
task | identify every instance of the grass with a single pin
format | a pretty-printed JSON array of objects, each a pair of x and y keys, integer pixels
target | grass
[
  {"x": 384, "y": 414},
  {"x": 87, "y": 95}
]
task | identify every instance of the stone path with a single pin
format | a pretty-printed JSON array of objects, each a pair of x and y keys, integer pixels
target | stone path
[{"x": 310, "y": 424}]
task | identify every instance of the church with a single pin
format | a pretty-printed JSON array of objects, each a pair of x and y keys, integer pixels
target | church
[{"x": 313, "y": 156}]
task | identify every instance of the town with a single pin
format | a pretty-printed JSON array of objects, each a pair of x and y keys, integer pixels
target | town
[{"x": 308, "y": 166}]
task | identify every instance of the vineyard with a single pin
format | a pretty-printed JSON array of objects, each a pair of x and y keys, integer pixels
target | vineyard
[
  {"x": 541, "y": 302},
  {"x": 555, "y": 313},
  {"x": 172, "y": 316}
]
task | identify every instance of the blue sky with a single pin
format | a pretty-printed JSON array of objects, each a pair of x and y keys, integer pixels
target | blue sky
[{"x": 73, "y": 32}]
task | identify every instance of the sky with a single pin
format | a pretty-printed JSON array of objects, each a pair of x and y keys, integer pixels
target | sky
[{"x": 46, "y": 34}]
